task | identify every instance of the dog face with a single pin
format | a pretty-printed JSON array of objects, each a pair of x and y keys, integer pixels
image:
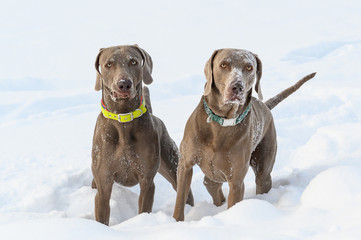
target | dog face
[
  {"x": 122, "y": 70},
  {"x": 233, "y": 72}
]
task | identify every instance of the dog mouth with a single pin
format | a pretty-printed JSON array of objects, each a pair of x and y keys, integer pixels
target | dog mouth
[
  {"x": 232, "y": 98},
  {"x": 120, "y": 95},
  {"x": 235, "y": 98}
]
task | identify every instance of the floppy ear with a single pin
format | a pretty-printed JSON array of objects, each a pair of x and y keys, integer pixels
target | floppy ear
[
  {"x": 98, "y": 81},
  {"x": 208, "y": 71},
  {"x": 258, "y": 76},
  {"x": 147, "y": 65}
]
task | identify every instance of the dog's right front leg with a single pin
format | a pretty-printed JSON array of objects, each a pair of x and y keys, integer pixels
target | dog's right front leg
[
  {"x": 102, "y": 198},
  {"x": 184, "y": 180}
]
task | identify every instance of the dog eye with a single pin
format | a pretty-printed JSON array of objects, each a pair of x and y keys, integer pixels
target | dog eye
[
  {"x": 223, "y": 65},
  {"x": 249, "y": 68},
  {"x": 109, "y": 65},
  {"x": 133, "y": 62}
]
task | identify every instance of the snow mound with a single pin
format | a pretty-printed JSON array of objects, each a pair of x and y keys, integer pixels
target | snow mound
[{"x": 336, "y": 189}]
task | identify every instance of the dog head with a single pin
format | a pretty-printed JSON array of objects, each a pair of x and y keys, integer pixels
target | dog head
[
  {"x": 233, "y": 72},
  {"x": 121, "y": 69}
]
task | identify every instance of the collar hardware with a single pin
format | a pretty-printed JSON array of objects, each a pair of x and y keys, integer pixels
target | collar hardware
[
  {"x": 225, "y": 122},
  {"x": 124, "y": 117}
]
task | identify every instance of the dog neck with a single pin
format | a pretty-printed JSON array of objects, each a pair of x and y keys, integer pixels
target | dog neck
[
  {"x": 228, "y": 110},
  {"x": 125, "y": 105}
]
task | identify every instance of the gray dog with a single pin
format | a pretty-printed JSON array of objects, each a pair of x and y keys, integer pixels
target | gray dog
[
  {"x": 230, "y": 130},
  {"x": 130, "y": 144}
]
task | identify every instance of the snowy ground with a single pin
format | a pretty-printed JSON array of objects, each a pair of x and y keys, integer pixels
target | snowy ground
[{"x": 46, "y": 134}]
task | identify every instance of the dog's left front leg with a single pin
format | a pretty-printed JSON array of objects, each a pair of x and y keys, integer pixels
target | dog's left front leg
[
  {"x": 183, "y": 187},
  {"x": 236, "y": 181},
  {"x": 236, "y": 193},
  {"x": 146, "y": 196}
]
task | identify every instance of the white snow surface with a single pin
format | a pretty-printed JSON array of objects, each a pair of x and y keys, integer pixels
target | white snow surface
[{"x": 48, "y": 112}]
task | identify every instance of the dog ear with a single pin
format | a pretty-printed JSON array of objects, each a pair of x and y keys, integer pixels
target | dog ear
[
  {"x": 98, "y": 81},
  {"x": 258, "y": 76},
  {"x": 147, "y": 65},
  {"x": 208, "y": 71}
]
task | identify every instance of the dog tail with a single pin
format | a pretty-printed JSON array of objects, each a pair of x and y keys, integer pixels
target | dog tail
[
  {"x": 146, "y": 95},
  {"x": 272, "y": 102}
]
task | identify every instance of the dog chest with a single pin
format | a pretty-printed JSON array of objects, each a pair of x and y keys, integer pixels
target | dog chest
[{"x": 221, "y": 164}]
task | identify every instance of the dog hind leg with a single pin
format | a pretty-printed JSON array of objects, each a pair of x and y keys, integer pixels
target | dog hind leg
[{"x": 215, "y": 190}]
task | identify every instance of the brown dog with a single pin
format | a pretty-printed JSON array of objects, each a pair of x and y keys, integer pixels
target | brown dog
[
  {"x": 130, "y": 144},
  {"x": 230, "y": 130}
]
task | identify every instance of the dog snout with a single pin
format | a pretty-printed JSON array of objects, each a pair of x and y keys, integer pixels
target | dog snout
[
  {"x": 236, "y": 88},
  {"x": 124, "y": 85}
]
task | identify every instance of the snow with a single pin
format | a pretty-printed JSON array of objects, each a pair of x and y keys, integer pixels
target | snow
[{"x": 48, "y": 111}]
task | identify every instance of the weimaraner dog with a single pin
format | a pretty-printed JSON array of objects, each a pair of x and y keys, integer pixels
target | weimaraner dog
[
  {"x": 230, "y": 130},
  {"x": 130, "y": 144}
]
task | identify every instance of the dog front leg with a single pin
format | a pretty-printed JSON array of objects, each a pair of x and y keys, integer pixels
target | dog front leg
[
  {"x": 102, "y": 198},
  {"x": 146, "y": 196},
  {"x": 184, "y": 179},
  {"x": 236, "y": 193}
]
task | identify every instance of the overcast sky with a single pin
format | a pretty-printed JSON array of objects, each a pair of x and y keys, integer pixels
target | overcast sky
[{"x": 59, "y": 40}]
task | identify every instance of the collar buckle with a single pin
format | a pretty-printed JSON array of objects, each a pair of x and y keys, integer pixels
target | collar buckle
[
  {"x": 229, "y": 122},
  {"x": 127, "y": 117},
  {"x": 225, "y": 122},
  {"x": 124, "y": 117}
]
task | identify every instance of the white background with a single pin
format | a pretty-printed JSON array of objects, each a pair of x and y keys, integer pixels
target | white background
[{"x": 48, "y": 110}]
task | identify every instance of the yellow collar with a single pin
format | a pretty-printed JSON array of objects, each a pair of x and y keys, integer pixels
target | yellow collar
[{"x": 124, "y": 117}]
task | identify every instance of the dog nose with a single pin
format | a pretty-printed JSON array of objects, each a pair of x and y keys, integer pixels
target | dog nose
[
  {"x": 236, "y": 88},
  {"x": 124, "y": 85}
]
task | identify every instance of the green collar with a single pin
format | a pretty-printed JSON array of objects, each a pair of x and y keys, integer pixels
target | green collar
[{"x": 225, "y": 122}]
